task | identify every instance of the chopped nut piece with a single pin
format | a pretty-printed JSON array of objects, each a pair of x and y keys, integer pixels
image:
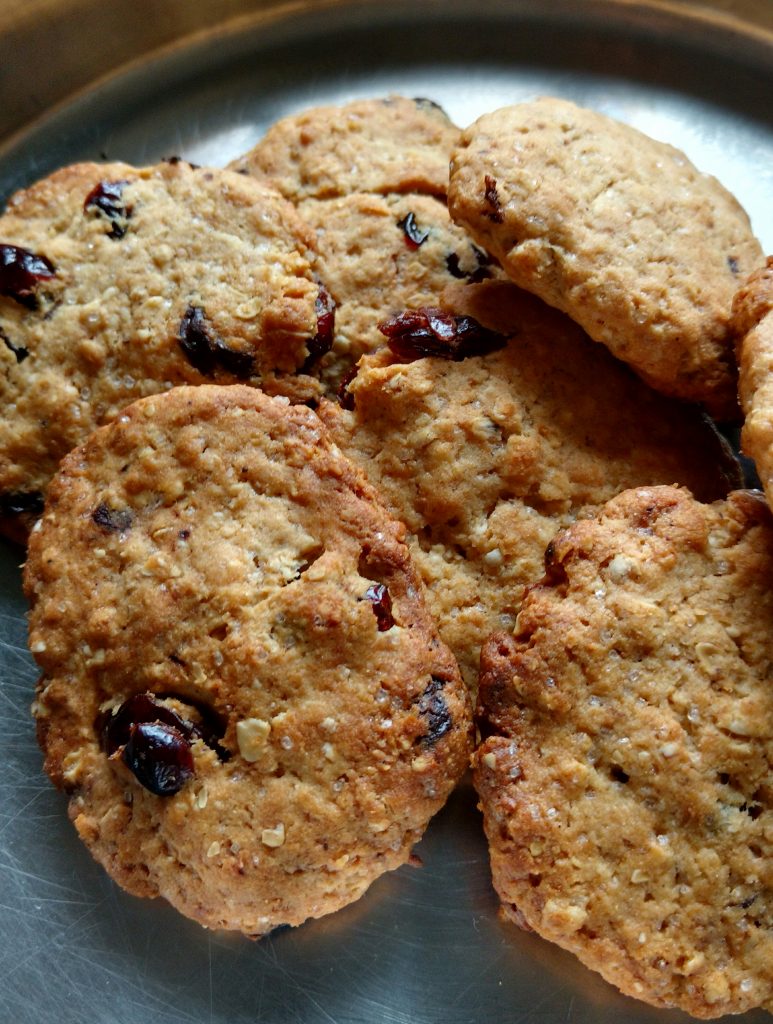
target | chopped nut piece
[
  {"x": 273, "y": 836},
  {"x": 251, "y": 736}
]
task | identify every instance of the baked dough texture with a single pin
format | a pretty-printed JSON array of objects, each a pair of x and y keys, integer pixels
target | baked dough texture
[
  {"x": 626, "y": 772},
  {"x": 485, "y": 458},
  {"x": 212, "y": 549},
  {"x": 384, "y": 145},
  {"x": 163, "y": 275},
  {"x": 369, "y": 178},
  {"x": 753, "y": 324},
  {"x": 619, "y": 231},
  {"x": 373, "y": 270}
]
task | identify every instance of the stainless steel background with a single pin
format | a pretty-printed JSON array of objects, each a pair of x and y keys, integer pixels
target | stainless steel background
[{"x": 424, "y": 945}]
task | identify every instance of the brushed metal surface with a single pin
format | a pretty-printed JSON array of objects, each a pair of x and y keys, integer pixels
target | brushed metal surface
[{"x": 424, "y": 945}]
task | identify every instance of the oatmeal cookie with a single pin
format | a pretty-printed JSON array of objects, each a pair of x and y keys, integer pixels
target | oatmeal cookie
[
  {"x": 384, "y": 145},
  {"x": 366, "y": 178},
  {"x": 753, "y": 325},
  {"x": 379, "y": 255},
  {"x": 626, "y": 773},
  {"x": 619, "y": 231},
  {"x": 485, "y": 457},
  {"x": 242, "y": 691},
  {"x": 117, "y": 282}
]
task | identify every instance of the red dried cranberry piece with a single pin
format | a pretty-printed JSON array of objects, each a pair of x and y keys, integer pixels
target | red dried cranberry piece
[
  {"x": 452, "y": 266},
  {"x": 159, "y": 756},
  {"x": 492, "y": 200},
  {"x": 114, "y": 520},
  {"x": 141, "y": 707},
  {"x": 345, "y": 397},
  {"x": 481, "y": 271},
  {"x": 205, "y": 350},
  {"x": 322, "y": 342},
  {"x": 21, "y": 271},
  {"x": 555, "y": 572},
  {"x": 414, "y": 236},
  {"x": 434, "y": 710},
  {"x": 20, "y": 503},
  {"x": 378, "y": 595},
  {"x": 240, "y": 364},
  {"x": 433, "y": 332},
  {"x": 19, "y": 351},
  {"x": 196, "y": 340},
  {"x": 107, "y": 199},
  {"x": 115, "y": 727}
]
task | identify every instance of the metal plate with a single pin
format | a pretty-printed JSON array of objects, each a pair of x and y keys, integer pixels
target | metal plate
[{"x": 424, "y": 945}]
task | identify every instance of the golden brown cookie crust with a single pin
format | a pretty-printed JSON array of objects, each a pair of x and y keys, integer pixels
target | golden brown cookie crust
[
  {"x": 619, "y": 231},
  {"x": 212, "y": 547},
  {"x": 181, "y": 275},
  {"x": 626, "y": 775},
  {"x": 485, "y": 458},
  {"x": 753, "y": 326},
  {"x": 384, "y": 145}
]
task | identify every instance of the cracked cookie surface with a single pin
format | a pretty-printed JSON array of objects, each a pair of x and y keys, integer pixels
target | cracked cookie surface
[
  {"x": 626, "y": 772},
  {"x": 619, "y": 231},
  {"x": 211, "y": 555}
]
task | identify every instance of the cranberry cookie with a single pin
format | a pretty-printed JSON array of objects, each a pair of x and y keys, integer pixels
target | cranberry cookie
[
  {"x": 117, "y": 282},
  {"x": 366, "y": 178},
  {"x": 484, "y": 456},
  {"x": 243, "y": 693},
  {"x": 379, "y": 255},
  {"x": 619, "y": 231},
  {"x": 626, "y": 773}
]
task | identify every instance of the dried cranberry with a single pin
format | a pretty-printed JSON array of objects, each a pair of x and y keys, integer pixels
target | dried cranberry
[
  {"x": 452, "y": 266},
  {"x": 107, "y": 199},
  {"x": 240, "y": 364},
  {"x": 19, "y": 351},
  {"x": 115, "y": 727},
  {"x": 378, "y": 595},
  {"x": 114, "y": 520},
  {"x": 433, "y": 332},
  {"x": 492, "y": 200},
  {"x": 196, "y": 340},
  {"x": 21, "y": 503},
  {"x": 433, "y": 708},
  {"x": 21, "y": 271},
  {"x": 322, "y": 342},
  {"x": 345, "y": 397},
  {"x": 159, "y": 756},
  {"x": 205, "y": 350},
  {"x": 555, "y": 572},
  {"x": 414, "y": 236},
  {"x": 481, "y": 271},
  {"x": 141, "y": 707}
]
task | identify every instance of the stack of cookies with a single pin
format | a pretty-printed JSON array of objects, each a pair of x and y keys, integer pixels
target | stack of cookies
[{"x": 341, "y": 454}]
